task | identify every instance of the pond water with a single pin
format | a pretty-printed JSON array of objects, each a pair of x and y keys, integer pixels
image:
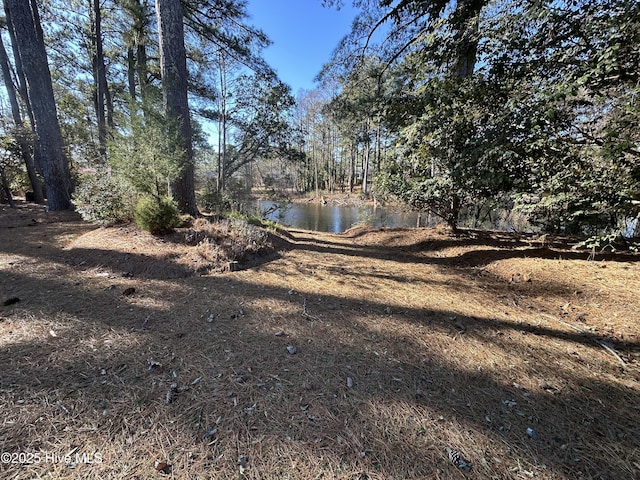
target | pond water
[
  {"x": 339, "y": 218},
  {"x": 335, "y": 218}
]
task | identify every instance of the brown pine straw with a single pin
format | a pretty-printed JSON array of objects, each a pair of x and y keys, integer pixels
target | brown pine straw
[{"x": 448, "y": 341}]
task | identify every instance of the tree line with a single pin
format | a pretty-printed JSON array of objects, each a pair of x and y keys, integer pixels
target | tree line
[
  {"x": 456, "y": 107},
  {"x": 467, "y": 106},
  {"x": 115, "y": 100}
]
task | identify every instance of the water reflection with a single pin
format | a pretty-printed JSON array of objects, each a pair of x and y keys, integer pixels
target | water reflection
[{"x": 335, "y": 218}]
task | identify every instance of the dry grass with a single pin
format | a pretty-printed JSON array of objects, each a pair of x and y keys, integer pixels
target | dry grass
[{"x": 407, "y": 342}]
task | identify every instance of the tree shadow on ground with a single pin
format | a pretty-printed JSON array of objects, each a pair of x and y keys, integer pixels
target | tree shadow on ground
[
  {"x": 95, "y": 383},
  {"x": 123, "y": 263},
  {"x": 83, "y": 366},
  {"x": 502, "y": 245}
]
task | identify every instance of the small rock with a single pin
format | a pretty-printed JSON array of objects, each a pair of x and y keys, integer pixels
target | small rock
[
  {"x": 531, "y": 433},
  {"x": 349, "y": 382},
  {"x": 292, "y": 349},
  {"x": 281, "y": 333}
]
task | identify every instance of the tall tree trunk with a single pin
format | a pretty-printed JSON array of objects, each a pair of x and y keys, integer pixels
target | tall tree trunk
[
  {"x": 136, "y": 40},
  {"x": 378, "y": 147},
  {"x": 21, "y": 137},
  {"x": 131, "y": 81},
  {"x": 142, "y": 67},
  {"x": 466, "y": 53},
  {"x": 352, "y": 166},
  {"x": 25, "y": 23},
  {"x": 142, "y": 70},
  {"x": 173, "y": 67},
  {"x": 222, "y": 124},
  {"x": 316, "y": 172},
  {"x": 131, "y": 73},
  {"x": 100, "y": 78},
  {"x": 110, "y": 111},
  {"x": 466, "y": 37},
  {"x": 366, "y": 158},
  {"x": 21, "y": 84}
]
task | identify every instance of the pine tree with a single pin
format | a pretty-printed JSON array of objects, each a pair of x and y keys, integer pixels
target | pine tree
[{"x": 24, "y": 21}]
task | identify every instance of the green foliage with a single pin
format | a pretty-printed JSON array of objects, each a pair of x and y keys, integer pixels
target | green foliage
[
  {"x": 548, "y": 116},
  {"x": 12, "y": 169},
  {"x": 577, "y": 86},
  {"x": 253, "y": 220},
  {"x": 103, "y": 198},
  {"x": 549, "y": 112},
  {"x": 157, "y": 215},
  {"x": 402, "y": 180},
  {"x": 212, "y": 200},
  {"x": 148, "y": 155},
  {"x": 262, "y": 126},
  {"x": 611, "y": 241}
]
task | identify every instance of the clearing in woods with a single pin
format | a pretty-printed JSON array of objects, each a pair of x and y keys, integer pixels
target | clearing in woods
[{"x": 118, "y": 362}]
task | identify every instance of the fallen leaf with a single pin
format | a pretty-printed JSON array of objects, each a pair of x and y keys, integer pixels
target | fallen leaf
[{"x": 164, "y": 467}]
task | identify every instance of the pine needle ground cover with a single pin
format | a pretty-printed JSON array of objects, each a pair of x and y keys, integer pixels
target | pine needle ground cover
[{"x": 374, "y": 354}]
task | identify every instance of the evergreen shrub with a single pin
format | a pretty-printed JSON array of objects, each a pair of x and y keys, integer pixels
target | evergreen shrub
[
  {"x": 103, "y": 198},
  {"x": 157, "y": 215}
]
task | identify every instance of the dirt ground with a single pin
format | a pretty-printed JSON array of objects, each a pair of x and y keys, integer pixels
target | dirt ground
[{"x": 364, "y": 355}]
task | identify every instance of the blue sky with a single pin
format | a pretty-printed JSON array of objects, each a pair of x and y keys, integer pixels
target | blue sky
[{"x": 304, "y": 34}]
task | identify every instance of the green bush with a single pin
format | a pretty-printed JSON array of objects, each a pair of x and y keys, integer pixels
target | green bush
[
  {"x": 147, "y": 155},
  {"x": 103, "y": 198},
  {"x": 213, "y": 201},
  {"x": 157, "y": 215}
]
